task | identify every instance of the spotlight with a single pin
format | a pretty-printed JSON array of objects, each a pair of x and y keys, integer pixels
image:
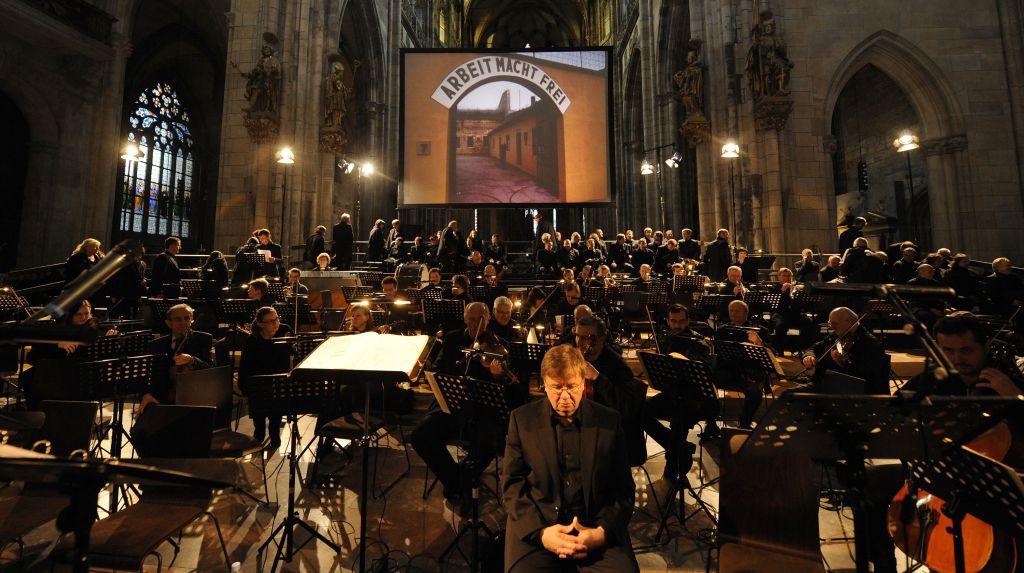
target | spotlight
[
  {"x": 285, "y": 156},
  {"x": 132, "y": 152},
  {"x": 346, "y": 166},
  {"x": 366, "y": 169},
  {"x": 906, "y": 142},
  {"x": 646, "y": 168},
  {"x": 674, "y": 161},
  {"x": 731, "y": 150}
]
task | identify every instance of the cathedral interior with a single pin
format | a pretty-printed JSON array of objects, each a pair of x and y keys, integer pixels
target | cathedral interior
[{"x": 782, "y": 121}]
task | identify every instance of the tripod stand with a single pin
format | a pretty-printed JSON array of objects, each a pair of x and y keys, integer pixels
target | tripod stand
[
  {"x": 457, "y": 394},
  {"x": 277, "y": 394}
]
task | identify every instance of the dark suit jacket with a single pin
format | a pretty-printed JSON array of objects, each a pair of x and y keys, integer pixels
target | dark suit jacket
[
  {"x": 531, "y": 479},
  {"x": 165, "y": 272},
  {"x": 342, "y": 238},
  {"x": 197, "y": 344},
  {"x": 717, "y": 259},
  {"x": 375, "y": 245}
]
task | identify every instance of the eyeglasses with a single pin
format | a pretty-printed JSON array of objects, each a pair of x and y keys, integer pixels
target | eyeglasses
[
  {"x": 588, "y": 337},
  {"x": 557, "y": 390}
]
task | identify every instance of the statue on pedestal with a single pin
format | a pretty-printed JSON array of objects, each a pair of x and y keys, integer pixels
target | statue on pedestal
[
  {"x": 690, "y": 90},
  {"x": 768, "y": 73},
  {"x": 263, "y": 91}
]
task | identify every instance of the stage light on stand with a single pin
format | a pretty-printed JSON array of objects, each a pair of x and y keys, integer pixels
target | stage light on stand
[
  {"x": 730, "y": 150},
  {"x": 131, "y": 152},
  {"x": 674, "y": 161},
  {"x": 646, "y": 167},
  {"x": 366, "y": 169},
  {"x": 906, "y": 142},
  {"x": 346, "y": 166},
  {"x": 285, "y": 156}
]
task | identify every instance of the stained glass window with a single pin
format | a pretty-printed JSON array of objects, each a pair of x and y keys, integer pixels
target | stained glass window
[{"x": 156, "y": 191}]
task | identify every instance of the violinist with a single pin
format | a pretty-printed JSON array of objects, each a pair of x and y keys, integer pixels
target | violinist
[
  {"x": 962, "y": 339},
  {"x": 503, "y": 325},
  {"x": 849, "y": 350},
  {"x": 259, "y": 291},
  {"x": 732, "y": 376},
  {"x": 682, "y": 416},
  {"x": 788, "y": 315},
  {"x": 431, "y": 436},
  {"x": 185, "y": 348},
  {"x": 261, "y": 356}
]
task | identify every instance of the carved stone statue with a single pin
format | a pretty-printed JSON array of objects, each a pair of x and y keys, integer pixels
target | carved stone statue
[
  {"x": 263, "y": 83},
  {"x": 690, "y": 81},
  {"x": 768, "y": 64},
  {"x": 335, "y": 94}
]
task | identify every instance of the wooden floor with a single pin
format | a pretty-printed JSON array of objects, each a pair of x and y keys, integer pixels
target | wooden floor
[{"x": 410, "y": 532}]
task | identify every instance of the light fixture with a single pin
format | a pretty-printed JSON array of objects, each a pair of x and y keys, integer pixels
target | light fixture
[
  {"x": 674, "y": 161},
  {"x": 285, "y": 156},
  {"x": 131, "y": 152},
  {"x": 346, "y": 166},
  {"x": 906, "y": 142},
  {"x": 366, "y": 169},
  {"x": 646, "y": 167},
  {"x": 731, "y": 150}
]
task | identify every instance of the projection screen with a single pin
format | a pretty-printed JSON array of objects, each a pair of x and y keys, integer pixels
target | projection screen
[{"x": 505, "y": 128}]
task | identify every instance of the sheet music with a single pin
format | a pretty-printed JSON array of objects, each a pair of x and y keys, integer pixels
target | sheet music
[
  {"x": 265, "y": 253},
  {"x": 438, "y": 394},
  {"x": 368, "y": 351}
]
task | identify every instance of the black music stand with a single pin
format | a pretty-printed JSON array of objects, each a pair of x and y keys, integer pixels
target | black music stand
[
  {"x": 478, "y": 398},
  {"x": 235, "y": 311},
  {"x": 280, "y": 395},
  {"x": 294, "y": 311},
  {"x": 709, "y": 304},
  {"x": 356, "y": 293},
  {"x": 120, "y": 346},
  {"x": 304, "y": 345},
  {"x": 682, "y": 283},
  {"x": 749, "y": 356},
  {"x": 11, "y": 302},
  {"x": 199, "y": 289},
  {"x": 855, "y": 428},
  {"x": 686, "y": 382},
  {"x": 444, "y": 311},
  {"x": 113, "y": 380},
  {"x": 761, "y": 301},
  {"x": 160, "y": 306},
  {"x": 526, "y": 357},
  {"x": 975, "y": 484}
]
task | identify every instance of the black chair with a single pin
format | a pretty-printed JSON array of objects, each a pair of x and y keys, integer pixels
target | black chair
[{"x": 126, "y": 538}]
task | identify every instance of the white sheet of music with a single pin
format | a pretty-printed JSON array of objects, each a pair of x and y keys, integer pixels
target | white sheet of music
[{"x": 368, "y": 351}]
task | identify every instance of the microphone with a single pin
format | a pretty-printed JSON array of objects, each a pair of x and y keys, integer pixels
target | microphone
[
  {"x": 879, "y": 290},
  {"x": 89, "y": 282}
]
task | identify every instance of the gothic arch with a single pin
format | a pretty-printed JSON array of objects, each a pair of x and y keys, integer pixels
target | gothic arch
[
  {"x": 922, "y": 80},
  {"x": 942, "y": 134}
]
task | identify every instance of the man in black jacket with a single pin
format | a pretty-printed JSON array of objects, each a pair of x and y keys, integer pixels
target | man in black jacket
[
  {"x": 717, "y": 257},
  {"x": 855, "y": 230},
  {"x": 184, "y": 348},
  {"x": 314, "y": 246},
  {"x": 450, "y": 247},
  {"x": 566, "y": 483},
  {"x": 859, "y": 354},
  {"x": 342, "y": 240},
  {"x": 274, "y": 261},
  {"x": 807, "y": 268},
  {"x": 856, "y": 266},
  {"x": 376, "y": 244},
  {"x": 542, "y": 228},
  {"x": 688, "y": 247},
  {"x": 166, "y": 278}
]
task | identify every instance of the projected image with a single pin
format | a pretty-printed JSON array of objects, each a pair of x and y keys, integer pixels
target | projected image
[
  {"x": 505, "y": 146},
  {"x": 505, "y": 128}
]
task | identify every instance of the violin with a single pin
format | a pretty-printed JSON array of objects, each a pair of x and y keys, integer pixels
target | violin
[{"x": 496, "y": 352}]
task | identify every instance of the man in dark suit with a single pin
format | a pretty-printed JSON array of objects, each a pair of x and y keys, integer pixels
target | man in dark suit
[
  {"x": 569, "y": 493},
  {"x": 856, "y": 266},
  {"x": 185, "y": 349},
  {"x": 393, "y": 234},
  {"x": 273, "y": 265},
  {"x": 450, "y": 247},
  {"x": 342, "y": 240},
  {"x": 542, "y": 228},
  {"x": 717, "y": 257},
  {"x": 166, "y": 278},
  {"x": 855, "y": 230},
  {"x": 376, "y": 245}
]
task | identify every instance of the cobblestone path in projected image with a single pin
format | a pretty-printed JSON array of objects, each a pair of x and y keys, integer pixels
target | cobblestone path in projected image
[{"x": 481, "y": 179}]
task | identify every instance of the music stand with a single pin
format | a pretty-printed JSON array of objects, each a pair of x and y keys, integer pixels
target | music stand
[
  {"x": 683, "y": 283},
  {"x": 855, "y": 428},
  {"x": 686, "y": 382},
  {"x": 112, "y": 380},
  {"x": 11, "y": 302},
  {"x": 761, "y": 301},
  {"x": 122, "y": 345},
  {"x": 708, "y": 304},
  {"x": 991, "y": 490},
  {"x": 199, "y": 289},
  {"x": 160, "y": 307},
  {"x": 477, "y": 292},
  {"x": 477, "y": 398},
  {"x": 526, "y": 357},
  {"x": 443, "y": 311},
  {"x": 294, "y": 311},
  {"x": 280, "y": 395},
  {"x": 253, "y": 261},
  {"x": 355, "y": 293},
  {"x": 749, "y": 356},
  {"x": 370, "y": 279},
  {"x": 304, "y": 345},
  {"x": 235, "y": 311}
]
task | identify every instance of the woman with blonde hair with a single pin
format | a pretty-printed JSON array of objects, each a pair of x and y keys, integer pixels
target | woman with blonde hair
[{"x": 85, "y": 255}]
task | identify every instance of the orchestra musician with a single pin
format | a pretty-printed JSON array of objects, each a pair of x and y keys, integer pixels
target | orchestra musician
[
  {"x": 431, "y": 436},
  {"x": 807, "y": 268},
  {"x": 689, "y": 248},
  {"x": 434, "y": 276},
  {"x": 185, "y": 348},
  {"x": 294, "y": 287},
  {"x": 571, "y": 296},
  {"x": 613, "y": 387},
  {"x": 571, "y": 515},
  {"x": 731, "y": 376},
  {"x": 682, "y": 416},
  {"x": 851, "y": 350},
  {"x": 747, "y": 265},
  {"x": 642, "y": 255},
  {"x": 666, "y": 257},
  {"x": 261, "y": 356},
  {"x": 568, "y": 336},
  {"x": 502, "y": 323},
  {"x": 259, "y": 291},
  {"x": 962, "y": 339},
  {"x": 788, "y": 315},
  {"x": 166, "y": 276},
  {"x": 733, "y": 284},
  {"x": 396, "y": 316},
  {"x": 323, "y": 262},
  {"x": 272, "y": 264}
]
